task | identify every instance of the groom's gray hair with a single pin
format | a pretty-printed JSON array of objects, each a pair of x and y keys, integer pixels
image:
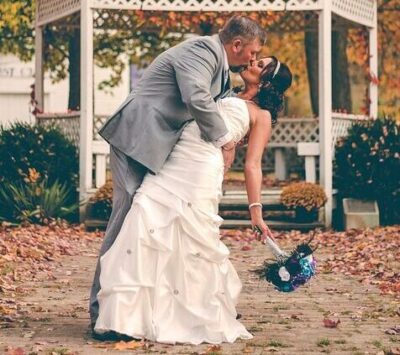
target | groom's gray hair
[{"x": 244, "y": 28}]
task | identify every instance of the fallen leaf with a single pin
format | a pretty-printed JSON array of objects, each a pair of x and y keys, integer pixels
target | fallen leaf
[
  {"x": 295, "y": 316},
  {"x": 130, "y": 345},
  {"x": 393, "y": 331},
  {"x": 246, "y": 247},
  {"x": 213, "y": 349},
  {"x": 15, "y": 351},
  {"x": 247, "y": 350},
  {"x": 331, "y": 323}
]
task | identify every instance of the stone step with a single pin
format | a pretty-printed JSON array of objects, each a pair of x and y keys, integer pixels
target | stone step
[
  {"x": 231, "y": 224},
  {"x": 233, "y": 208},
  {"x": 277, "y": 225},
  {"x": 237, "y": 199}
]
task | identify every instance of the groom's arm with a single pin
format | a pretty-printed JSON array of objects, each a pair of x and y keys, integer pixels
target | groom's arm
[{"x": 194, "y": 71}]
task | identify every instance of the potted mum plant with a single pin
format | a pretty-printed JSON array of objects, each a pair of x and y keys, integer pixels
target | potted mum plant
[
  {"x": 100, "y": 204},
  {"x": 305, "y": 198}
]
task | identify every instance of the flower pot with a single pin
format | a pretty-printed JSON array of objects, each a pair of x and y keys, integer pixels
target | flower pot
[{"x": 304, "y": 216}]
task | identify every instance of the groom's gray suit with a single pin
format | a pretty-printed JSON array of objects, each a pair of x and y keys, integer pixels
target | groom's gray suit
[{"x": 180, "y": 85}]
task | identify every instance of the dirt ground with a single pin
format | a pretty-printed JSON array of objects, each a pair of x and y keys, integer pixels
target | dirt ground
[{"x": 55, "y": 319}]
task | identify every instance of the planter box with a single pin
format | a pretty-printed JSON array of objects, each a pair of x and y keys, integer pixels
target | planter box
[{"x": 360, "y": 213}]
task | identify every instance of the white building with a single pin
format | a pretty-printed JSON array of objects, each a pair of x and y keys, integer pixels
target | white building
[{"x": 16, "y": 78}]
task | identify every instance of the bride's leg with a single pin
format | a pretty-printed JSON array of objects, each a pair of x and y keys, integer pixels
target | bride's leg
[{"x": 127, "y": 175}]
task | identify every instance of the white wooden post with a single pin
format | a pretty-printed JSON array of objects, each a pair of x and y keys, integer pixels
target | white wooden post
[
  {"x": 310, "y": 151},
  {"x": 280, "y": 164},
  {"x": 86, "y": 109},
  {"x": 100, "y": 149},
  {"x": 325, "y": 104},
  {"x": 373, "y": 64},
  {"x": 39, "y": 76}
]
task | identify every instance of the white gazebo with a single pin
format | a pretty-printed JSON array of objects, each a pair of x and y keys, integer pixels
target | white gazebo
[{"x": 93, "y": 151}]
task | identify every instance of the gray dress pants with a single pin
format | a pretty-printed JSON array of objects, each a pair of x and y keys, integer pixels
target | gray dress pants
[{"x": 127, "y": 176}]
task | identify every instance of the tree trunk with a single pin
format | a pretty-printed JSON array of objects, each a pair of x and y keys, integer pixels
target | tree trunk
[
  {"x": 311, "y": 49},
  {"x": 341, "y": 94},
  {"x": 74, "y": 49}
]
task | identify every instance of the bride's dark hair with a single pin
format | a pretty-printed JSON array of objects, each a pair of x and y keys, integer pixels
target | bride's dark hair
[{"x": 272, "y": 87}]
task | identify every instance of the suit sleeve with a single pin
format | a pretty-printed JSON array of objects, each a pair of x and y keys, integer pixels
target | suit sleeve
[{"x": 194, "y": 71}]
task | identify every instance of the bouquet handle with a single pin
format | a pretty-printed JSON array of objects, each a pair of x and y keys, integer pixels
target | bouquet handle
[{"x": 275, "y": 249}]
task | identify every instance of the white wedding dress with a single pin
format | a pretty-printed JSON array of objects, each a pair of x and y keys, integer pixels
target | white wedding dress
[{"x": 167, "y": 277}]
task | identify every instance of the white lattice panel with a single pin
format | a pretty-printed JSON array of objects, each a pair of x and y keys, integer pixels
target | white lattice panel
[
  {"x": 99, "y": 121},
  {"x": 300, "y": 5},
  {"x": 341, "y": 124},
  {"x": 193, "y": 5},
  {"x": 68, "y": 124},
  {"x": 359, "y": 11},
  {"x": 289, "y": 131},
  {"x": 51, "y": 10}
]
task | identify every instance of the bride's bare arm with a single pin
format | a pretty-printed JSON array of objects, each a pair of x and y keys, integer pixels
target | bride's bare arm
[{"x": 260, "y": 131}]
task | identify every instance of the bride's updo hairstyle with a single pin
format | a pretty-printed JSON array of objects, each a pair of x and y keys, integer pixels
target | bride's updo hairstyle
[{"x": 276, "y": 78}]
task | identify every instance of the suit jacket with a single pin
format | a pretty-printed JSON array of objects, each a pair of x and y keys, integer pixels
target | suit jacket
[{"x": 180, "y": 85}]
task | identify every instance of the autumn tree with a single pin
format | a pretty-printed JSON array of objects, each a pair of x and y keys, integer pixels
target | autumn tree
[
  {"x": 16, "y": 28},
  {"x": 141, "y": 35}
]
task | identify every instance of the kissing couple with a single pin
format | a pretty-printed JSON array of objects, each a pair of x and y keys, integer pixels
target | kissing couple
[{"x": 163, "y": 273}]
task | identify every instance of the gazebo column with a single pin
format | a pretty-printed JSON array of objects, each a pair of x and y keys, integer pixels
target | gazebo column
[
  {"x": 325, "y": 104},
  {"x": 373, "y": 65},
  {"x": 39, "y": 70},
  {"x": 86, "y": 109}
]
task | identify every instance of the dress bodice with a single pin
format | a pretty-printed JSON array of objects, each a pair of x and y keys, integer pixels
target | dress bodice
[{"x": 236, "y": 115}]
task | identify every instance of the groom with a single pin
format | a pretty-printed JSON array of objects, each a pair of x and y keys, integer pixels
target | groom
[{"x": 180, "y": 85}]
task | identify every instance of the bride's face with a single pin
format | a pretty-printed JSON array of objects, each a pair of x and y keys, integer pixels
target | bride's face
[{"x": 252, "y": 75}]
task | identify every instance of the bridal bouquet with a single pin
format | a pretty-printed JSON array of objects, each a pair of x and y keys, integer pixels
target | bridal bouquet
[{"x": 289, "y": 270}]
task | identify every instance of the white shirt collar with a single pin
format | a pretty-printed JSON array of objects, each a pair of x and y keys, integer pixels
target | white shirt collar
[{"x": 226, "y": 63}]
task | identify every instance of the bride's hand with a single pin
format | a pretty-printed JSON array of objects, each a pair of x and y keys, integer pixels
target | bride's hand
[
  {"x": 261, "y": 231},
  {"x": 243, "y": 141},
  {"x": 229, "y": 156}
]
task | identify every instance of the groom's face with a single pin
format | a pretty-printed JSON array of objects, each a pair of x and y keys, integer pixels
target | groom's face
[{"x": 243, "y": 53}]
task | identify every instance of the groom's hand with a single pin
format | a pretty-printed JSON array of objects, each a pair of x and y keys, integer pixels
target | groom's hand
[{"x": 228, "y": 152}]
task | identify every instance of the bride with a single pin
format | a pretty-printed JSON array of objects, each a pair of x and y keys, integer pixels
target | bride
[{"x": 168, "y": 278}]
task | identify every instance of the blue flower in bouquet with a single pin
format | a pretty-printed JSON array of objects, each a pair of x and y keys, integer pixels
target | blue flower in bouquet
[{"x": 307, "y": 267}]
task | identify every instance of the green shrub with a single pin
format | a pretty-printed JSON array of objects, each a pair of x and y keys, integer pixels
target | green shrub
[
  {"x": 34, "y": 200},
  {"x": 23, "y": 146},
  {"x": 367, "y": 165}
]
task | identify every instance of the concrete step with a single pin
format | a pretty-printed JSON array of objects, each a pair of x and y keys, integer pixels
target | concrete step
[
  {"x": 238, "y": 198},
  {"x": 92, "y": 224},
  {"x": 277, "y": 225},
  {"x": 233, "y": 208}
]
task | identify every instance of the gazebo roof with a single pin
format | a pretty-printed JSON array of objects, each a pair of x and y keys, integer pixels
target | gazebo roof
[{"x": 356, "y": 11}]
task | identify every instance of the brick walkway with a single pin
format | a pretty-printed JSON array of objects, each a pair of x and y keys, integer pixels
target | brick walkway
[{"x": 56, "y": 320}]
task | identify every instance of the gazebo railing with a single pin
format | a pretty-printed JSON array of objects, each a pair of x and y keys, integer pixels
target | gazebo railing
[
  {"x": 67, "y": 123},
  {"x": 285, "y": 136},
  {"x": 341, "y": 122}
]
